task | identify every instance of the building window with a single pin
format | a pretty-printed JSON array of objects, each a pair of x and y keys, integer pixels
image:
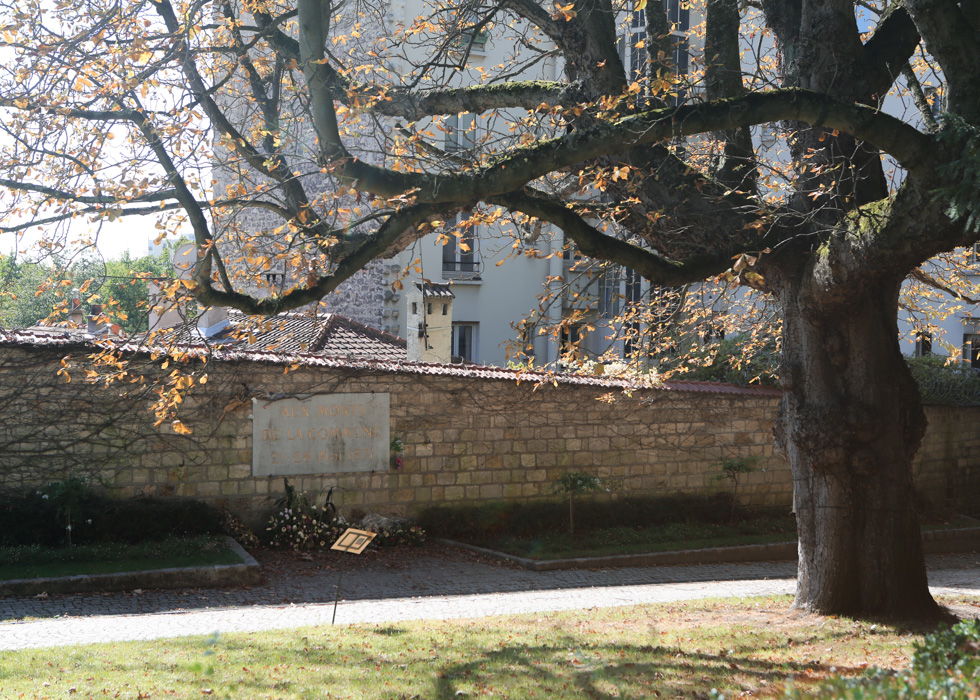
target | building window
[
  {"x": 464, "y": 25},
  {"x": 973, "y": 257},
  {"x": 609, "y": 294},
  {"x": 460, "y": 131},
  {"x": 634, "y": 297},
  {"x": 569, "y": 251},
  {"x": 937, "y": 100},
  {"x": 971, "y": 349},
  {"x": 459, "y": 254},
  {"x": 633, "y": 48},
  {"x": 664, "y": 303},
  {"x": 923, "y": 343},
  {"x": 527, "y": 339},
  {"x": 464, "y": 342},
  {"x": 570, "y": 341},
  {"x": 712, "y": 332}
]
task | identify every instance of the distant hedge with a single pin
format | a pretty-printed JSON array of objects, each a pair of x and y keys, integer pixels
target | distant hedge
[
  {"x": 43, "y": 516},
  {"x": 945, "y": 384},
  {"x": 489, "y": 521}
]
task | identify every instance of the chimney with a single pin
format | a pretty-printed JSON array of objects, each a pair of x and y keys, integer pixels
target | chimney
[
  {"x": 75, "y": 314},
  {"x": 164, "y": 313},
  {"x": 94, "y": 326},
  {"x": 430, "y": 322},
  {"x": 212, "y": 321}
]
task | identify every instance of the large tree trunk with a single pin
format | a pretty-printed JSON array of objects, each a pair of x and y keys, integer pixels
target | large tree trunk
[{"x": 850, "y": 422}]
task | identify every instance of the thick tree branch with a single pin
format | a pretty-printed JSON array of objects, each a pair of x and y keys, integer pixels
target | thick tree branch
[
  {"x": 537, "y": 16},
  {"x": 952, "y": 40},
  {"x": 596, "y": 244},
  {"x": 274, "y": 166},
  {"x": 373, "y": 245},
  {"x": 889, "y": 48},
  {"x": 416, "y": 105},
  {"x": 914, "y": 150},
  {"x": 71, "y": 196},
  {"x": 723, "y": 78}
]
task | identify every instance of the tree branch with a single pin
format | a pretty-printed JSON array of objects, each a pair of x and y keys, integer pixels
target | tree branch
[
  {"x": 374, "y": 245},
  {"x": 924, "y": 277},
  {"x": 723, "y": 78},
  {"x": 951, "y": 38},
  {"x": 596, "y": 244},
  {"x": 890, "y": 47},
  {"x": 913, "y": 149},
  {"x": 920, "y": 99}
]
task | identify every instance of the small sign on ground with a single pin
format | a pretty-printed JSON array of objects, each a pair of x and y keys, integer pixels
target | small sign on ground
[{"x": 353, "y": 541}]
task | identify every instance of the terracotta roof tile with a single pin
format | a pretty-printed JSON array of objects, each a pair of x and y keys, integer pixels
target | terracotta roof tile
[
  {"x": 433, "y": 290},
  {"x": 401, "y": 366},
  {"x": 325, "y": 334}
]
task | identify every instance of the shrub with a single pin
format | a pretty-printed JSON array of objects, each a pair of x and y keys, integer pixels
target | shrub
[
  {"x": 733, "y": 470},
  {"x": 41, "y": 517},
  {"x": 487, "y": 522},
  {"x": 950, "y": 648},
  {"x": 572, "y": 483},
  {"x": 945, "y": 665},
  {"x": 725, "y": 361},
  {"x": 945, "y": 384}
]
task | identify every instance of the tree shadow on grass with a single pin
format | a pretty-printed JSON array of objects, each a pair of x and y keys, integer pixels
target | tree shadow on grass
[{"x": 640, "y": 671}]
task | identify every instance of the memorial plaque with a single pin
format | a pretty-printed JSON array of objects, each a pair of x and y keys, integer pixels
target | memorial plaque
[
  {"x": 322, "y": 434},
  {"x": 353, "y": 541}
]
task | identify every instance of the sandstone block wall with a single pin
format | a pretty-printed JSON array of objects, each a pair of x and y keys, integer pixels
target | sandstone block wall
[{"x": 467, "y": 439}]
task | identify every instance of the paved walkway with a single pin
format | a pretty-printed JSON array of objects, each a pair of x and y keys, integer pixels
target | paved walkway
[{"x": 438, "y": 584}]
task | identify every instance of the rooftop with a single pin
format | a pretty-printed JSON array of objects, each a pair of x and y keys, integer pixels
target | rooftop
[
  {"x": 321, "y": 335},
  {"x": 251, "y": 352}
]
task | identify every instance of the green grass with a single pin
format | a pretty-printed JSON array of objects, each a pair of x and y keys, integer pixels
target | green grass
[
  {"x": 42, "y": 562},
  {"x": 652, "y": 538},
  {"x": 674, "y": 650},
  {"x": 950, "y": 522}
]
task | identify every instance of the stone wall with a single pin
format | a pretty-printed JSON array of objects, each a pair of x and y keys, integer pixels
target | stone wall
[
  {"x": 947, "y": 468},
  {"x": 469, "y": 436}
]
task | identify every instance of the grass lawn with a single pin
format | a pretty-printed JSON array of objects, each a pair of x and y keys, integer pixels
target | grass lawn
[
  {"x": 42, "y": 562},
  {"x": 677, "y": 650},
  {"x": 652, "y": 538}
]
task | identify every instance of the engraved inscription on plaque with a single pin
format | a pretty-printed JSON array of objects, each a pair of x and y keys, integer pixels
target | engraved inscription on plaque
[{"x": 323, "y": 434}]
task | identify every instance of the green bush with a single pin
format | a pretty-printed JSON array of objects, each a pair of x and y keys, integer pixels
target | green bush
[
  {"x": 945, "y": 665},
  {"x": 41, "y": 517},
  {"x": 726, "y": 364},
  {"x": 945, "y": 385},
  {"x": 491, "y": 521},
  {"x": 950, "y": 648}
]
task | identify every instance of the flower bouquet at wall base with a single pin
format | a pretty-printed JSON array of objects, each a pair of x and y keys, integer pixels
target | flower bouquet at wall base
[
  {"x": 400, "y": 534},
  {"x": 301, "y": 525}
]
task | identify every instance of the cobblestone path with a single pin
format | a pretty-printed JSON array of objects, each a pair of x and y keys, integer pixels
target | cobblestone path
[{"x": 439, "y": 583}]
